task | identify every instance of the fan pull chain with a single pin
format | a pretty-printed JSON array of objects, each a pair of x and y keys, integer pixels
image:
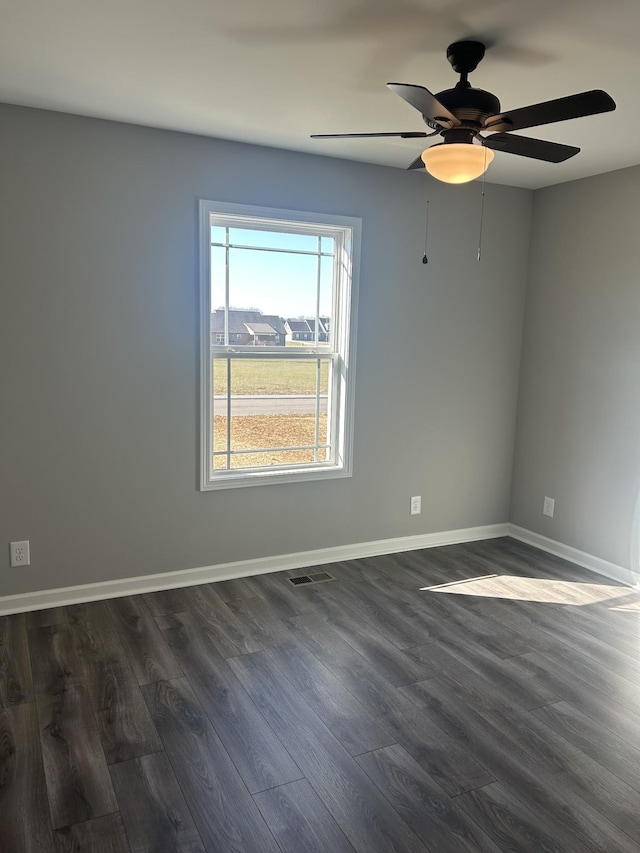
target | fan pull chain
[
  {"x": 482, "y": 207},
  {"x": 425, "y": 259}
]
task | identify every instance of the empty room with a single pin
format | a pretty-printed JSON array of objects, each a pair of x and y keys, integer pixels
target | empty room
[{"x": 320, "y": 434}]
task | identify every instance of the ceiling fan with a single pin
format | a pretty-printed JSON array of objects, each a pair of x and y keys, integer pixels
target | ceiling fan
[{"x": 460, "y": 115}]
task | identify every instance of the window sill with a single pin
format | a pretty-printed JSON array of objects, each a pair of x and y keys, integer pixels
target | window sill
[{"x": 235, "y": 480}]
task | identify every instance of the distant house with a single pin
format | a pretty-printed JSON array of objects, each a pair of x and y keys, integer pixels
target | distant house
[
  {"x": 303, "y": 330},
  {"x": 298, "y": 330},
  {"x": 248, "y": 328}
]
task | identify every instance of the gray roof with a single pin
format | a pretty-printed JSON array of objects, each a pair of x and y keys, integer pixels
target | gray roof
[
  {"x": 238, "y": 320},
  {"x": 308, "y": 325},
  {"x": 260, "y": 329}
]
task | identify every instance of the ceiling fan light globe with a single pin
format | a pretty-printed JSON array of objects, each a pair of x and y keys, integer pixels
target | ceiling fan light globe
[{"x": 456, "y": 162}]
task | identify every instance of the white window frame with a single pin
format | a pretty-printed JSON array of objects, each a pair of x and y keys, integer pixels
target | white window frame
[{"x": 347, "y": 232}]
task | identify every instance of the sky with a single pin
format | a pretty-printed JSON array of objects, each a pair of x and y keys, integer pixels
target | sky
[{"x": 280, "y": 283}]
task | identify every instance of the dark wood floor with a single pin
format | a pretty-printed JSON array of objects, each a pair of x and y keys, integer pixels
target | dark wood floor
[{"x": 381, "y": 711}]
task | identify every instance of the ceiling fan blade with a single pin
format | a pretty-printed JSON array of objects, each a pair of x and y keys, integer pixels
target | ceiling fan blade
[
  {"x": 537, "y": 149},
  {"x": 426, "y": 103},
  {"x": 561, "y": 109},
  {"x": 407, "y": 134},
  {"x": 416, "y": 164}
]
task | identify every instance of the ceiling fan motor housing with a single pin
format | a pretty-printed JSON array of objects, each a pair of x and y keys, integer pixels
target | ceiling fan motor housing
[{"x": 469, "y": 105}]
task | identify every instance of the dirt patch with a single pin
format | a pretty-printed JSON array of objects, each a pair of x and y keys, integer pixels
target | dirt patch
[{"x": 265, "y": 431}]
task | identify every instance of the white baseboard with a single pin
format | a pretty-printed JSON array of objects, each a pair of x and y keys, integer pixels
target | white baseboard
[
  {"x": 225, "y": 571},
  {"x": 43, "y": 599},
  {"x": 580, "y": 558}
]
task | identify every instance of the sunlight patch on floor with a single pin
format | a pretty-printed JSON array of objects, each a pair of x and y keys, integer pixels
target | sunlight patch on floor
[
  {"x": 630, "y": 606},
  {"x": 542, "y": 590}
]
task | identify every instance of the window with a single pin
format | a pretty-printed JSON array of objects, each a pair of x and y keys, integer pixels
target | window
[{"x": 276, "y": 408}]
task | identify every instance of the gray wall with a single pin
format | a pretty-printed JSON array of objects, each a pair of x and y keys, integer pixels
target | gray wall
[
  {"x": 98, "y": 352},
  {"x": 578, "y": 434}
]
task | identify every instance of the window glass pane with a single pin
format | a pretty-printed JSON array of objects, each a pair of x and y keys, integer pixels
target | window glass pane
[
  {"x": 274, "y": 283},
  {"x": 327, "y": 244},
  {"x": 273, "y": 239},
  {"x": 272, "y": 376},
  {"x": 218, "y": 262},
  {"x": 274, "y": 406},
  {"x": 323, "y": 375},
  {"x": 218, "y": 234},
  {"x": 270, "y": 432},
  {"x": 220, "y": 459},
  {"x": 326, "y": 293},
  {"x": 220, "y": 387},
  {"x": 324, "y": 366},
  {"x": 220, "y": 376}
]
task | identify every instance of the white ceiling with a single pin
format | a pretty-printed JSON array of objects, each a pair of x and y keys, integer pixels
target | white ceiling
[{"x": 274, "y": 72}]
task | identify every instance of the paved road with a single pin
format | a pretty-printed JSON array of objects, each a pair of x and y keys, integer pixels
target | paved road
[{"x": 269, "y": 405}]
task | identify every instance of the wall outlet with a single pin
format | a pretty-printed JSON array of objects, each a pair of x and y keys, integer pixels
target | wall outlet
[
  {"x": 548, "y": 506},
  {"x": 20, "y": 555},
  {"x": 416, "y": 505}
]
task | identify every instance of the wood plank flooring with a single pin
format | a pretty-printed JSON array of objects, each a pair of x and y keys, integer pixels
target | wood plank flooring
[{"x": 472, "y": 698}]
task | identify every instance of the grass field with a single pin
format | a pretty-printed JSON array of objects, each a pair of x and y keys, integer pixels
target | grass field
[
  {"x": 256, "y": 376},
  {"x": 249, "y": 431}
]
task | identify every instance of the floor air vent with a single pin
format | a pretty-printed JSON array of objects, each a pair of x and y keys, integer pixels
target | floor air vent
[{"x": 319, "y": 577}]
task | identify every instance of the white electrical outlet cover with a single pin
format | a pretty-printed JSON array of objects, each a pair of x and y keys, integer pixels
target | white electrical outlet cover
[{"x": 20, "y": 554}]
